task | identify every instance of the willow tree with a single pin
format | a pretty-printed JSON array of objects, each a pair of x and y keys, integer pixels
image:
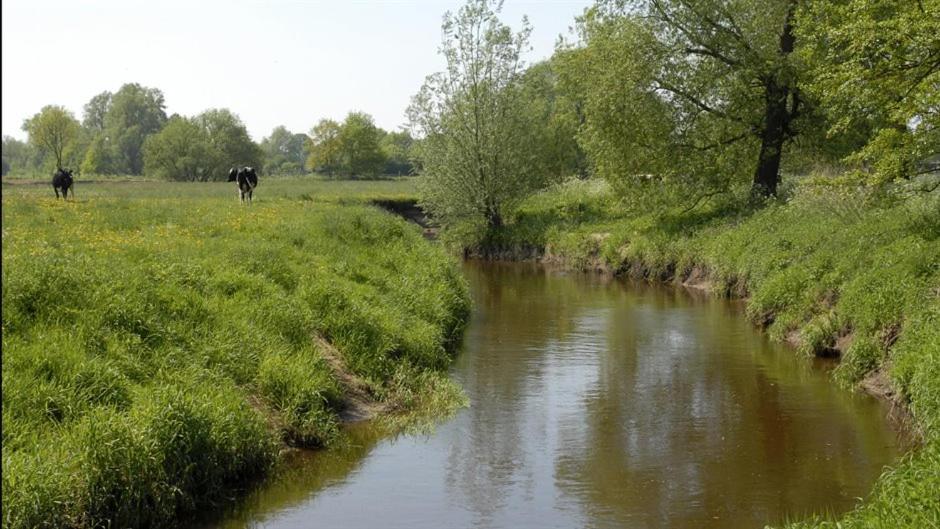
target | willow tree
[
  {"x": 476, "y": 151},
  {"x": 688, "y": 97}
]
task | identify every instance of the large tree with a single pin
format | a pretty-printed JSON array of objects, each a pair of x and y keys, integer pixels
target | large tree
[
  {"x": 229, "y": 142},
  {"x": 476, "y": 155},
  {"x": 360, "y": 152},
  {"x": 180, "y": 151},
  {"x": 876, "y": 67},
  {"x": 52, "y": 131},
  {"x": 324, "y": 147},
  {"x": 688, "y": 96},
  {"x": 134, "y": 113}
]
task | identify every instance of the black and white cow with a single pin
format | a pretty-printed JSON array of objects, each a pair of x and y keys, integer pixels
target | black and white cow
[
  {"x": 247, "y": 180},
  {"x": 62, "y": 179}
]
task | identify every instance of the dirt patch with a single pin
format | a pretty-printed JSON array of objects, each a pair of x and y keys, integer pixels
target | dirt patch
[
  {"x": 699, "y": 279},
  {"x": 878, "y": 384},
  {"x": 358, "y": 402}
]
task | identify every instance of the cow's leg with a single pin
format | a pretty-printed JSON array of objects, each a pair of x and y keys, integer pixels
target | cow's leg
[{"x": 56, "y": 189}]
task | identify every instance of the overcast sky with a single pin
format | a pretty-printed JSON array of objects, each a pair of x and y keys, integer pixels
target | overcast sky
[{"x": 272, "y": 63}]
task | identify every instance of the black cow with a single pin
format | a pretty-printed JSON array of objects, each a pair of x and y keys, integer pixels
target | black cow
[
  {"x": 247, "y": 180},
  {"x": 62, "y": 179}
]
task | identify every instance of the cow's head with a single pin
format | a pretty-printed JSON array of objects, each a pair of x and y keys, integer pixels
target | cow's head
[{"x": 232, "y": 174}]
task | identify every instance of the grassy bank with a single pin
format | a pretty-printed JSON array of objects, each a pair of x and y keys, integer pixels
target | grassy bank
[
  {"x": 830, "y": 275},
  {"x": 161, "y": 342}
]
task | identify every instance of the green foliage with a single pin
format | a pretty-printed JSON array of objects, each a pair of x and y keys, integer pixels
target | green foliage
[
  {"x": 283, "y": 152},
  {"x": 360, "y": 152},
  {"x": 96, "y": 111},
  {"x": 155, "y": 350},
  {"x": 555, "y": 117},
  {"x": 325, "y": 147},
  {"x": 180, "y": 151},
  {"x": 52, "y": 131},
  {"x": 875, "y": 67},
  {"x": 477, "y": 153},
  {"x": 202, "y": 148},
  {"x": 685, "y": 100},
  {"x": 133, "y": 113},
  {"x": 398, "y": 149},
  {"x": 228, "y": 143},
  {"x": 16, "y": 156},
  {"x": 96, "y": 159}
]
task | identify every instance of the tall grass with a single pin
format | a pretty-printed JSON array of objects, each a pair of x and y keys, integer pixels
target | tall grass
[
  {"x": 823, "y": 271},
  {"x": 160, "y": 341}
]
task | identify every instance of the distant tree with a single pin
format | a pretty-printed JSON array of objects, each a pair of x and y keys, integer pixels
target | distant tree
[
  {"x": 96, "y": 110},
  {"x": 229, "y": 142},
  {"x": 53, "y": 130},
  {"x": 324, "y": 147},
  {"x": 134, "y": 113},
  {"x": 283, "y": 152},
  {"x": 876, "y": 67},
  {"x": 476, "y": 152},
  {"x": 17, "y": 156},
  {"x": 360, "y": 152},
  {"x": 180, "y": 151},
  {"x": 397, "y": 147}
]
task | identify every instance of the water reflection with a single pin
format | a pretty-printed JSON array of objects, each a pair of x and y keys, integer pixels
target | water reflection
[{"x": 597, "y": 403}]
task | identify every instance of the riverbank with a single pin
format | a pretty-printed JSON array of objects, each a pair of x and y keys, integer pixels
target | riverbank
[
  {"x": 162, "y": 344},
  {"x": 831, "y": 275}
]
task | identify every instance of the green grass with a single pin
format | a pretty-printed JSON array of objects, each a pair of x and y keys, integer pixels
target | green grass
[
  {"x": 161, "y": 341},
  {"x": 818, "y": 269}
]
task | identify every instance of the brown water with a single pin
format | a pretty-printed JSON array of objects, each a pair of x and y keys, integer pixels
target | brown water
[{"x": 600, "y": 403}]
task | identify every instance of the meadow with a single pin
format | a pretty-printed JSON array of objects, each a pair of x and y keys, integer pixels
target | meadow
[
  {"x": 162, "y": 343},
  {"x": 829, "y": 272}
]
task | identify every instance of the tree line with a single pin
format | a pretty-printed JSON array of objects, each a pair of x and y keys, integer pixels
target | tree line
[
  {"x": 679, "y": 103},
  {"x": 129, "y": 133}
]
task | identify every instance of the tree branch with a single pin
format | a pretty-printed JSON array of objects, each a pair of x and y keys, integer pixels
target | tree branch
[{"x": 695, "y": 101}]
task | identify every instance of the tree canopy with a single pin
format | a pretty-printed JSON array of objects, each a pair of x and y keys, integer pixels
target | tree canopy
[
  {"x": 875, "y": 66},
  {"x": 284, "y": 152},
  {"x": 53, "y": 130}
]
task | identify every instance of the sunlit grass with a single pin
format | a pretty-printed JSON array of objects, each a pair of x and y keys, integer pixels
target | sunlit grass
[{"x": 161, "y": 340}]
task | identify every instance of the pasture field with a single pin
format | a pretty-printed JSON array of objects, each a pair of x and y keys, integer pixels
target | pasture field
[
  {"x": 162, "y": 342},
  {"x": 824, "y": 272}
]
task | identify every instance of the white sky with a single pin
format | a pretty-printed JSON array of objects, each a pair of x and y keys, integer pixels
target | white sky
[{"x": 272, "y": 63}]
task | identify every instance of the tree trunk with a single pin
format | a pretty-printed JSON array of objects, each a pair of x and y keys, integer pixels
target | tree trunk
[
  {"x": 494, "y": 220},
  {"x": 777, "y": 118}
]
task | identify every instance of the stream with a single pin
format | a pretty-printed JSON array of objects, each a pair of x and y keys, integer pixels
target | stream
[{"x": 599, "y": 402}]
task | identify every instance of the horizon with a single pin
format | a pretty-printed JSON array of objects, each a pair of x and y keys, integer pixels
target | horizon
[{"x": 369, "y": 64}]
